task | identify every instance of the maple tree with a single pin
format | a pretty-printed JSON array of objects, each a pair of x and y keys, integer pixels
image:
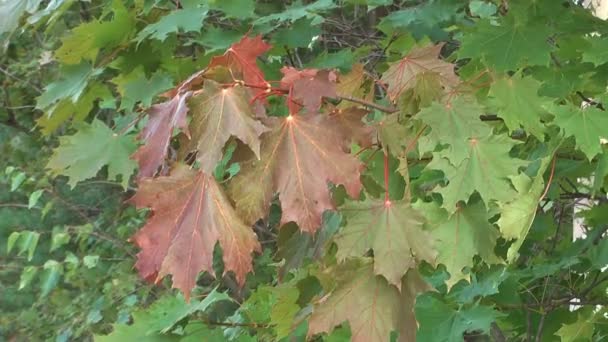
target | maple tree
[{"x": 414, "y": 187}]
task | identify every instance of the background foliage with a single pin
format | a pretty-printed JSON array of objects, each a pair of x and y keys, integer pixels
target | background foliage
[{"x": 486, "y": 168}]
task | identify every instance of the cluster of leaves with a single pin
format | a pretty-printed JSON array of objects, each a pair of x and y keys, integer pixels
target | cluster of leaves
[{"x": 421, "y": 186}]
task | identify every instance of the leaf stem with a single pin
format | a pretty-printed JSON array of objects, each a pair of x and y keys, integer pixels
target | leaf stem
[{"x": 386, "y": 175}]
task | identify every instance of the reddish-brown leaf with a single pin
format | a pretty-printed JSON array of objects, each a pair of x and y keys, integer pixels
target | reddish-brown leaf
[
  {"x": 218, "y": 114},
  {"x": 355, "y": 130},
  {"x": 241, "y": 59},
  {"x": 162, "y": 119},
  {"x": 308, "y": 87},
  {"x": 401, "y": 75},
  {"x": 298, "y": 159},
  {"x": 190, "y": 214}
]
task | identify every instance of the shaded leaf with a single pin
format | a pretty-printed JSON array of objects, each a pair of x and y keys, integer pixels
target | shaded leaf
[
  {"x": 440, "y": 321},
  {"x": 507, "y": 45}
]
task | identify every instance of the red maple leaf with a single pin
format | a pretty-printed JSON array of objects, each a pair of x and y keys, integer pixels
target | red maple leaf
[
  {"x": 308, "y": 87},
  {"x": 190, "y": 214},
  {"x": 241, "y": 58},
  {"x": 298, "y": 158},
  {"x": 163, "y": 118}
]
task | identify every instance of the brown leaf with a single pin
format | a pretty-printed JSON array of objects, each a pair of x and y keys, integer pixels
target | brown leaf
[
  {"x": 299, "y": 157},
  {"x": 163, "y": 118},
  {"x": 218, "y": 114},
  {"x": 401, "y": 75},
  {"x": 351, "y": 120},
  {"x": 308, "y": 87},
  {"x": 190, "y": 214}
]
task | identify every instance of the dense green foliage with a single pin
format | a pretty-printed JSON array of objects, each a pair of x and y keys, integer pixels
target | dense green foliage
[{"x": 365, "y": 170}]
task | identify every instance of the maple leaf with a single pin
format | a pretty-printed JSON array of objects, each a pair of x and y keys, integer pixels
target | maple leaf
[
  {"x": 412, "y": 285},
  {"x": 241, "y": 59},
  {"x": 393, "y": 230},
  {"x": 517, "y": 216},
  {"x": 587, "y": 125},
  {"x": 402, "y": 75},
  {"x": 485, "y": 169},
  {"x": 366, "y": 301},
  {"x": 83, "y": 154},
  {"x": 218, "y": 114},
  {"x": 597, "y": 52},
  {"x": 518, "y": 104},
  {"x": 508, "y": 44},
  {"x": 308, "y": 87},
  {"x": 156, "y": 135},
  {"x": 353, "y": 129},
  {"x": 454, "y": 123},
  {"x": 465, "y": 234},
  {"x": 87, "y": 39},
  {"x": 190, "y": 214},
  {"x": 352, "y": 84},
  {"x": 443, "y": 322},
  {"x": 77, "y": 111},
  {"x": 299, "y": 157}
]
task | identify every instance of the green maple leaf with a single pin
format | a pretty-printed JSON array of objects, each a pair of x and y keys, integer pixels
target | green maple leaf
[
  {"x": 425, "y": 19},
  {"x": 517, "y": 102},
  {"x": 187, "y": 19},
  {"x": 454, "y": 123},
  {"x": 440, "y": 321},
  {"x": 85, "y": 40},
  {"x": 508, "y": 45},
  {"x": 155, "y": 322},
  {"x": 465, "y": 234},
  {"x": 486, "y": 169},
  {"x": 393, "y": 230},
  {"x": 586, "y": 125},
  {"x": 518, "y": 215},
  {"x": 135, "y": 87},
  {"x": 597, "y": 52},
  {"x": 82, "y": 155},
  {"x": 297, "y": 10},
  {"x": 285, "y": 309},
  {"x": 66, "y": 109},
  {"x": 579, "y": 331},
  {"x": 71, "y": 85},
  {"x": 242, "y": 9}
]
